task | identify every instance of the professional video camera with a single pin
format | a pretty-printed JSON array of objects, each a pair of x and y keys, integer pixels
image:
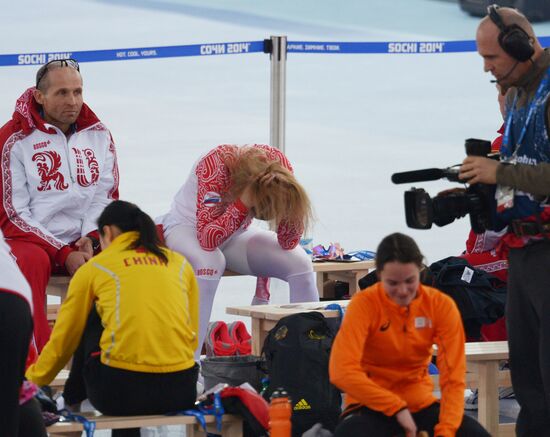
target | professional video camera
[{"x": 421, "y": 211}]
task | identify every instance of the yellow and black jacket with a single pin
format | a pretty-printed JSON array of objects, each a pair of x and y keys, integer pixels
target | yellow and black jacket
[{"x": 149, "y": 311}]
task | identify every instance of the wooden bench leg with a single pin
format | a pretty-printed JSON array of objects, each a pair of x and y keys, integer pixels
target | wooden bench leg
[
  {"x": 257, "y": 340},
  {"x": 233, "y": 429},
  {"x": 321, "y": 278},
  {"x": 488, "y": 403},
  {"x": 229, "y": 429},
  {"x": 354, "y": 288},
  {"x": 193, "y": 431}
]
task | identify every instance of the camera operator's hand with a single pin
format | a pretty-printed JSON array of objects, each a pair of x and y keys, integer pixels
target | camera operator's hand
[
  {"x": 476, "y": 169},
  {"x": 247, "y": 196}
]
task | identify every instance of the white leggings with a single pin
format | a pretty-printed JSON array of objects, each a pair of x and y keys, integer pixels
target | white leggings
[{"x": 252, "y": 251}]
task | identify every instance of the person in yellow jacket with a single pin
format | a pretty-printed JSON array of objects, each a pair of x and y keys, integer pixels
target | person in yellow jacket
[
  {"x": 131, "y": 319},
  {"x": 381, "y": 354}
]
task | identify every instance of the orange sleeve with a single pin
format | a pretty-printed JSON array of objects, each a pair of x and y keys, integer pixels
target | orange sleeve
[
  {"x": 345, "y": 368},
  {"x": 451, "y": 362}
]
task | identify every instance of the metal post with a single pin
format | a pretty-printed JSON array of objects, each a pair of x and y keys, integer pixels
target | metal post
[{"x": 277, "y": 46}]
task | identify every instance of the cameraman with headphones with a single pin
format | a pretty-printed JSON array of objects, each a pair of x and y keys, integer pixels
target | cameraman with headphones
[{"x": 513, "y": 55}]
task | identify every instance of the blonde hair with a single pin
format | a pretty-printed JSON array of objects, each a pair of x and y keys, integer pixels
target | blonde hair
[{"x": 276, "y": 198}]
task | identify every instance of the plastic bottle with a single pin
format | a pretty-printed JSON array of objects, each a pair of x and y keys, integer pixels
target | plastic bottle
[
  {"x": 280, "y": 411},
  {"x": 265, "y": 384}
]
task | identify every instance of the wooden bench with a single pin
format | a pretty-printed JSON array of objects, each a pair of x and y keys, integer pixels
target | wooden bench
[
  {"x": 265, "y": 317},
  {"x": 482, "y": 372},
  {"x": 52, "y": 310},
  {"x": 59, "y": 381},
  {"x": 57, "y": 286},
  {"x": 484, "y": 358},
  {"x": 231, "y": 424},
  {"x": 472, "y": 379},
  {"x": 349, "y": 272}
]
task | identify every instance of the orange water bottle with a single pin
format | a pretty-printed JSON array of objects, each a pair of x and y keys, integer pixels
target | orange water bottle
[{"x": 280, "y": 410}]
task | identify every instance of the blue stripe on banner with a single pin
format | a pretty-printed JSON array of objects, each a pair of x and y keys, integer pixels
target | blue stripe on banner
[
  {"x": 409, "y": 47},
  {"x": 392, "y": 47},
  {"x": 226, "y": 48},
  {"x": 235, "y": 48}
]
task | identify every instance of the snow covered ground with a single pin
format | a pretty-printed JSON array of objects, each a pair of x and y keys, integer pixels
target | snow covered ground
[{"x": 352, "y": 120}]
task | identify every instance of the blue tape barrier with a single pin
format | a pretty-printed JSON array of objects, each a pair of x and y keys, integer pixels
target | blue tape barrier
[
  {"x": 200, "y": 410},
  {"x": 392, "y": 47},
  {"x": 225, "y": 48},
  {"x": 397, "y": 47},
  {"x": 245, "y": 47},
  {"x": 88, "y": 425}
]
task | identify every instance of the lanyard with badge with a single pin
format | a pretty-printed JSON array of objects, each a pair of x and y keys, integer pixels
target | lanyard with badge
[{"x": 505, "y": 195}]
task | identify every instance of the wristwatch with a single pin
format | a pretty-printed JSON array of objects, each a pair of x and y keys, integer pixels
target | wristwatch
[{"x": 95, "y": 243}]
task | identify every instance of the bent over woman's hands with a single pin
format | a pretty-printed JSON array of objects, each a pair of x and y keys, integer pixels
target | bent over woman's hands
[
  {"x": 405, "y": 419},
  {"x": 247, "y": 197}
]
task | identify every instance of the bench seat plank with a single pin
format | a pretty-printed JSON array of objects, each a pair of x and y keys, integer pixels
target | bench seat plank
[{"x": 230, "y": 423}]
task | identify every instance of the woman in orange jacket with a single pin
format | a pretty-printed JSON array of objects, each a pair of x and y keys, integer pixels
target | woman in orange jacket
[{"x": 381, "y": 354}]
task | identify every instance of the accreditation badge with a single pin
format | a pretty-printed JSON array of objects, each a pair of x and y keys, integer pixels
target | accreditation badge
[{"x": 504, "y": 197}]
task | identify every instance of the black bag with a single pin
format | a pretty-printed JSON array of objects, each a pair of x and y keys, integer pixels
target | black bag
[
  {"x": 297, "y": 353},
  {"x": 242, "y": 402},
  {"x": 368, "y": 280},
  {"x": 480, "y": 296},
  {"x": 232, "y": 370}
]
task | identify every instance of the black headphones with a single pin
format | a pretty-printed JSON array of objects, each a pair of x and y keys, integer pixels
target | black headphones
[{"x": 512, "y": 38}]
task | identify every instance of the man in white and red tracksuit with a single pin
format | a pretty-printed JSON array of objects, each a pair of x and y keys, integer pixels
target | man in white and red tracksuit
[{"x": 58, "y": 171}]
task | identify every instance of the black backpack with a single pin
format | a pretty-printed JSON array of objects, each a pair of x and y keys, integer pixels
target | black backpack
[
  {"x": 297, "y": 354},
  {"x": 480, "y": 296}
]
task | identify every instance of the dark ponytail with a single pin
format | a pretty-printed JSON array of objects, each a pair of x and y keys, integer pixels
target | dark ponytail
[
  {"x": 398, "y": 247},
  {"x": 128, "y": 217}
]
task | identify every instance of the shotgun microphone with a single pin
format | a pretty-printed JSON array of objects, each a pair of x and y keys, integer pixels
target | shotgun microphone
[{"x": 428, "y": 174}]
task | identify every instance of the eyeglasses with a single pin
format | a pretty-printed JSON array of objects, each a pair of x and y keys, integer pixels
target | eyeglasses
[{"x": 57, "y": 62}]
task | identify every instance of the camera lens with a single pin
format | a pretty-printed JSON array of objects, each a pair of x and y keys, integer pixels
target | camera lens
[{"x": 418, "y": 209}]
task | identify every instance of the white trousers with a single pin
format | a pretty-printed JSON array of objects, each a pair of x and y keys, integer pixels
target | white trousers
[{"x": 252, "y": 251}]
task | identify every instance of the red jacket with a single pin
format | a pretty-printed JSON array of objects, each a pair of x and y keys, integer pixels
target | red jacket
[{"x": 54, "y": 187}]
